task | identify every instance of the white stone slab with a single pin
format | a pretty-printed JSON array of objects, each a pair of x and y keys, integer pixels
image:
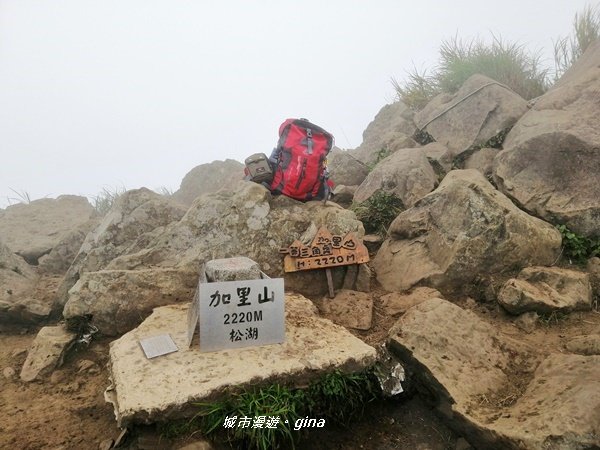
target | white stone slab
[{"x": 159, "y": 389}]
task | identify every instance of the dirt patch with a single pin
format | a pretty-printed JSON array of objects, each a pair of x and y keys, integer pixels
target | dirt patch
[{"x": 65, "y": 411}]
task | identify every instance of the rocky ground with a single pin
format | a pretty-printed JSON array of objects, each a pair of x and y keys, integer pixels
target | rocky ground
[
  {"x": 67, "y": 410},
  {"x": 473, "y": 288}
]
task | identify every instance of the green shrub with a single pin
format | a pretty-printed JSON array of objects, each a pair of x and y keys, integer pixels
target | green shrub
[
  {"x": 381, "y": 154},
  {"x": 586, "y": 29},
  {"x": 576, "y": 247},
  {"x": 337, "y": 397},
  {"x": 378, "y": 212}
]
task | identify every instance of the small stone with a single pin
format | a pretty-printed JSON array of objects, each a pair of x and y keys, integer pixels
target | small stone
[
  {"x": 350, "y": 278},
  {"x": 585, "y": 345},
  {"x": 372, "y": 242},
  {"x": 107, "y": 444},
  {"x": 18, "y": 352},
  {"x": 527, "y": 322},
  {"x": 9, "y": 373},
  {"x": 47, "y": 352},
  {"x": 363, "y": 280},
  {"x": 86, "y": 365},
  {"x": 58, "y": 376}
]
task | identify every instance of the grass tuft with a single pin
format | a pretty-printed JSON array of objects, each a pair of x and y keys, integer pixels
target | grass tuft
[
  {"x": 378, "y": 212},
  {"x": 104, "y": 201},
  {"x": 336, "y": 397},
  {"x": 586, "y": 29}
]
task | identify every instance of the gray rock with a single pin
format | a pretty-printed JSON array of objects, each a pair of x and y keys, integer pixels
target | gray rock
[
  {"x": 17, "y": 283},
  {"x": 373, "y": 242},
  {"x": 34, "y": 229},
  {"x": 405, "y": 174},
  {"x": 462, "y": 231},
  {"x": 232, "y": 269},
  {"x": 363, "y": 278},
  {"x": 351, "y": 309},
  {"x": 64, "y": 252},
  {"x": 457, "y": 362},
  {"x": 479, "y": 111},
  {"x": 391, "y": 130},
  {"x": 545, "y": 290},
  {"x": 560, "y": 408},
  {"x": 350, "y": 278},
  {"x": 115, "y": 301},
  {"x": 345, "y": 169},
  {"x": 135, "y": 217},
  {"x": 208, "y": 178},
  {"x": 47, "y": 352},
  {"x": 248, "y": 222},
  {"x": 482, "y": 160},
  {"x": 358, "y": 278},
  {"x": 584, "y": 345},
  {"x": 466, "y": 368},
  {"x": 439, "y": 157},
  {"x": 343, "y": 195},
  {"x": 527, "y": 321},
  {"x": 314, "y": 346},
  {"x": 551, "y": 158},
  {"x": 9, "y": 373}
]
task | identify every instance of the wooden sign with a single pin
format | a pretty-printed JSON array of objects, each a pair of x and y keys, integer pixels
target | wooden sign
[{"x": 325, "y": 251}]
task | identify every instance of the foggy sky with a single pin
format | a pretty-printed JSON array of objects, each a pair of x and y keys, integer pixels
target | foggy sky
[{"x": 131, "y": 93}]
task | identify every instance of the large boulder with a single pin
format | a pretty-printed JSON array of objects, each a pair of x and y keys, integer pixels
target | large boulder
[
  {"x": 546, "y": 290},
  {"x": 207, "y": 178},
  {"x": 115, "y": 301},
  {"x": 32, "y": 230},
  {"x": 406, "y": 174},
  {"x": 488, "y": 386},
  {"x": 463, "y": 231},
  {"x": 345, "y": 169},
  {"x": 480, "y": 110},
  {"x": 248, "y": 222},
  {"x": 64, "y": 252},
  {"x": 313, "y": 347},
  {"x": 17, "y": 283},
  {"x": 551, "y": 158},
  {"x": 391, "y": 130},
  {"x": 135, "y": 216}
]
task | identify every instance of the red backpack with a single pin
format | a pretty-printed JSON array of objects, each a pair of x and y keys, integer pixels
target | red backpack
[{"x": 301, "y": 161}]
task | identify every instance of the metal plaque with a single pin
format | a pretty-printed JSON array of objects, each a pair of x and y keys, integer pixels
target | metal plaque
[{"x": 158, "y": 345}]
